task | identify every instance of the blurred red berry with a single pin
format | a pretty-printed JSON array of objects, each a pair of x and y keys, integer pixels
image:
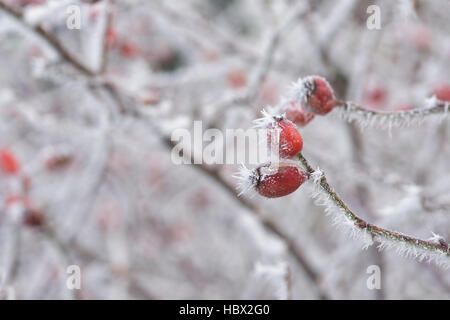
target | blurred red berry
[
  {"x": 24, "y": 3},
  {"x": 8, "y": 162},
  {"x": 286, "y": 180},
  {"x": 129, "y": 49},
  {"x": 296, "y": 113},
  {"x": 236, "y": 79},
  {"x": 319, "y": 97},
  {"x": 442, "y": 92},
  {"x": 284, "y": 137}
]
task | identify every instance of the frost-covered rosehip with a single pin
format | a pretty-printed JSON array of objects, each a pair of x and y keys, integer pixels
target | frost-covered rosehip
[
  {"x": 8, "y": 162},
  {"x": 296, "y": 113},
  {"x": 442, "y": 92},
  {"x": 375, "y": 97},
  {"x": 282, "y": 136},
  {"x": 272, "y": 181},
  {"x": 315, "y": 94}
]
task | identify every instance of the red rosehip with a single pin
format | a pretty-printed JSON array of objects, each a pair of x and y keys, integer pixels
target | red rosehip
[
  {"x": 287, "y": 179},
  {"x": 8, "y": 162},
  {"x": 236, "y": 79},
  {"x": 296, "y": 113},
  {"x": 317, "y": 95},
  {"x": 418, "y": 36},
  {"x": 24, "y": 3},
  {"x": 442, "y": 92},
  {"x": 284, "y": 137}
]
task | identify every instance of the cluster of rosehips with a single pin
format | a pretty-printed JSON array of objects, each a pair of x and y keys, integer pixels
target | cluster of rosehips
[
  {"x": 18, "y": 206},
  {"x": 310, "y": 96}
]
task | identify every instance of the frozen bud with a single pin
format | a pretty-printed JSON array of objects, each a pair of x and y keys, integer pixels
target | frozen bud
[{"x": 315, "y": 94}]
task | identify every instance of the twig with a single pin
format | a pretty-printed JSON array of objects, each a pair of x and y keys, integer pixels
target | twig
[{"x": 247, "y": 95}]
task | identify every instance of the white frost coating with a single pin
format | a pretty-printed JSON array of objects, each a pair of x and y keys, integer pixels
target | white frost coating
[
  {"x": 270, "y": 117},
  {"x": 436, "y": 238},
  {"x": 247, "y": 180},
  {"x": 387, "y": 120},
  {"x": 342, "y": 221}
]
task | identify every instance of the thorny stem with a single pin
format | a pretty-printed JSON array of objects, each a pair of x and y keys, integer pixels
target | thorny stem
[
  {"x": 374, "y": 230},
  {"x": 292, "y": 247}
]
